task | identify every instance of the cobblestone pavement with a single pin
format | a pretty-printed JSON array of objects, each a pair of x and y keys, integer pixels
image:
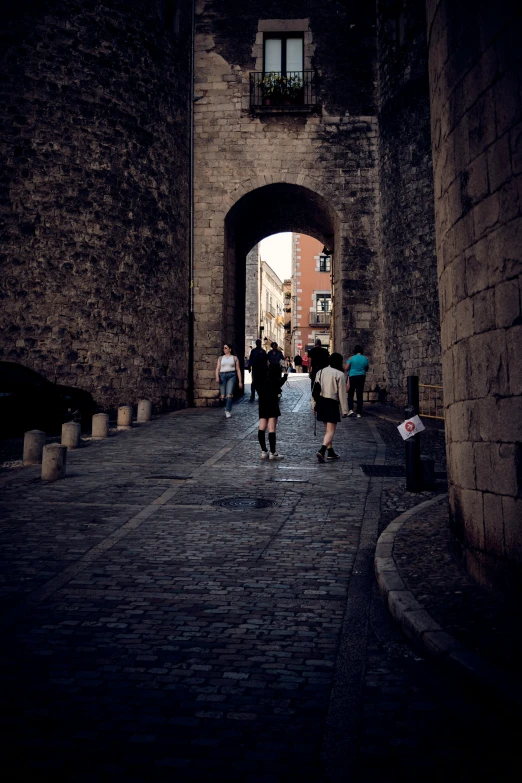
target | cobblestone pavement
[{"x": 148, "y": 634}]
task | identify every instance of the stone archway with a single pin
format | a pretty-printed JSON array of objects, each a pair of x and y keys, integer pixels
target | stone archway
[{"x": 219, "y": 280}]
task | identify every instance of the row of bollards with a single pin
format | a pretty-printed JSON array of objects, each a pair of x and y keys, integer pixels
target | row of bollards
[{"x": 53, "y": 456}]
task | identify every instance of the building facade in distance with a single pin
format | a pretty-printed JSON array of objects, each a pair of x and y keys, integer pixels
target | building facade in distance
[
  {"x": 264, "y": 303},
  {"x": 312, "y": 292},
  {"x": 271, "y": 306}
]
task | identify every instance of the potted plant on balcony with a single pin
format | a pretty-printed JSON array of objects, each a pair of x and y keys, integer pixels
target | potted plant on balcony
[
  {"x": 295, "y": 88},
  {"x": 271, "y": 88}
]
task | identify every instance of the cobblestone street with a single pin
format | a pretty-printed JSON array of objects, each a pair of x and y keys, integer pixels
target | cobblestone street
[{"x": 148, "y": 634}]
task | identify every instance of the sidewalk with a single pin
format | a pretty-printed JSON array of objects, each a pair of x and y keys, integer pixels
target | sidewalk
[{"x": 470, "y": 630}]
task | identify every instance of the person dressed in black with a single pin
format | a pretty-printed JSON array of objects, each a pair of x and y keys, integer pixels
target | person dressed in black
[
  {"x": 269, "y": 412},
  {"x": 319, "y": 358},
  {"x": 257, "y": 362},
  {"x": 276, "y": 361},
  {"x": 298, "y": 362}
]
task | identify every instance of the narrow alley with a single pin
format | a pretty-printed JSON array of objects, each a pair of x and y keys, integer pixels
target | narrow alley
[{"x": 177, "y": 609}]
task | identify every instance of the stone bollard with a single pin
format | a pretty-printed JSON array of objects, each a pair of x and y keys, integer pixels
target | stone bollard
[
  {"x": 53, "y": 462},
  {"x": 144, "y": 411},
  {"x": 71, "y": 432},
  {"x": 124, "y": 417},
  {"x": 100, "y": 425},
  {"x": 34, "y": 441}
]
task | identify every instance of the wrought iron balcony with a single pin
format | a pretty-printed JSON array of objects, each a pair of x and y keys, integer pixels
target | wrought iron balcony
[
  {"x": 274, "y": 91},
  {"x": 319, "y": 318}
]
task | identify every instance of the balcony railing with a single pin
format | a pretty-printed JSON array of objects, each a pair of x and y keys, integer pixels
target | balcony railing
[
  {"x": 319, "y": 318},
  {"x": 270, "y": 310},
  {"x": 283, "y": 91}
]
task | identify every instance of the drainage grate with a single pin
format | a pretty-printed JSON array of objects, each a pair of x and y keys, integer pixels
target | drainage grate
[
  {"x": 244, "y": 503},
  {"x": 394, "y": 471},
  {"x": 289, "y": 480},
  {"x": 383, "y": 471},
  {"x": 166, "y": 477}
]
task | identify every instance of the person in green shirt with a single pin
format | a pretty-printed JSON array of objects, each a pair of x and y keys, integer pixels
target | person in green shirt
[{"x": 356, "y": 367}]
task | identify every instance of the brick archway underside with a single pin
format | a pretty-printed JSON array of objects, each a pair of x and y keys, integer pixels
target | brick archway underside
[{"x": 279, "y": 207}]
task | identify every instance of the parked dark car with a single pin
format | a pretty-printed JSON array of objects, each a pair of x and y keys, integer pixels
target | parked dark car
[{"x": 29, "y": 401}]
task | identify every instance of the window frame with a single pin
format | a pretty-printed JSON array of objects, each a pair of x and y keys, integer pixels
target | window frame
[
  {"x": 283, "y": 36},
  {"x": 326, "y": 261},
  {"x": 327, "y": 298}
]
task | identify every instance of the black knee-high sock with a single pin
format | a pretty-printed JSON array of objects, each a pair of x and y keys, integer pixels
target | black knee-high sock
[
  {"x": 272, "y": 441},
  {"x": 262, "y": 439}
]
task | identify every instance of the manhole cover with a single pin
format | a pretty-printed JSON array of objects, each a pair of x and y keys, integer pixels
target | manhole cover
[
  {"x": 244, "y": 503},
  {"x": 394, "y": 471}
]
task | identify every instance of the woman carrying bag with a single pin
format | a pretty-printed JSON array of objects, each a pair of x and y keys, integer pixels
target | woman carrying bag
[{"x": 332, "y": 398}]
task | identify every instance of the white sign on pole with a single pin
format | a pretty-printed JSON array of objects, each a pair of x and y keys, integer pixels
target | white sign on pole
[{"x": 411, "y": 427}]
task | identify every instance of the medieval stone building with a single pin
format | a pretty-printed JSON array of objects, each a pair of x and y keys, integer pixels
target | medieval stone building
[{"x": 145, "y": 153}]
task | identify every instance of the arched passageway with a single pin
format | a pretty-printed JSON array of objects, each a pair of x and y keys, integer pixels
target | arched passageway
[
  {"x": 263, "y": 211},
  {"x": 269, "y": 210}
]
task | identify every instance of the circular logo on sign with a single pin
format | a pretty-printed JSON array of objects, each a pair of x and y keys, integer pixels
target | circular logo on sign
[{"x": 410, "y": 426}]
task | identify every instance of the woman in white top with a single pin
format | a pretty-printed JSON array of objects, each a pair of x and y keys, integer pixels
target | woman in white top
[
  {"x": 333, "y": 396},
  {"x": 227, "y": 369}
]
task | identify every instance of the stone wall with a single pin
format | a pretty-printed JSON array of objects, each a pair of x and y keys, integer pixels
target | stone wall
[
  {"x": 260, "y": 173},
  {"x": 409, "y": 282},
  {"x": 94, "y": 162},
  {"x": 252, "y": 318},
  {"x": 475, "y": 83}
]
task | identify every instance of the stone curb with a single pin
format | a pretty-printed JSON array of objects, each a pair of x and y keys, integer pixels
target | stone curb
[{"x": 422, "y": 630}]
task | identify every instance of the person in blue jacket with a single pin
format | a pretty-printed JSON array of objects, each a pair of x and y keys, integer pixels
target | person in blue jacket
[{"x": 356, "y": 367}]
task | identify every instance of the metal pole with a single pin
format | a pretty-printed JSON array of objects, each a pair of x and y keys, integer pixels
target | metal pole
[
  {"x": 412, "y": 445},
  {"x": 190, "y": 390}
]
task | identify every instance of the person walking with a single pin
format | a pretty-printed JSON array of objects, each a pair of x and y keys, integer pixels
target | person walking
[
  {"x": 319, "y": 357},
  {"x": 306, "y": 362},
  {"x": 298, "y": 362},
  {"x": 227, "y": 368},
  {"x": 333, "y": 396},
  {"x": 276, "y": 361},
  {"x": 257, "y": 362},
  {"x": 269, "y": 413},
  {"x": 357, "y": 367}
]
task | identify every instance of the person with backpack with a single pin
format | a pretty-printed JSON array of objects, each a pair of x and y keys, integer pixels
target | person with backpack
[
  {"x": 332, "y": 397},
  {"x": 257, "y": 362},
  {"x": 276, "y": 362},
  {"x": 275, "y": 357}
]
